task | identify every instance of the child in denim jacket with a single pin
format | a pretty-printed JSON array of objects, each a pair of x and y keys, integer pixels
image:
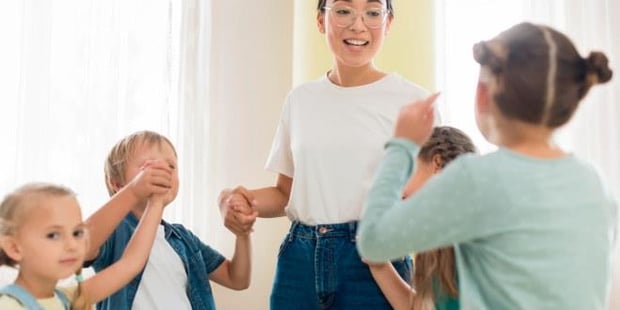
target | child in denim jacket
[{"x": 180, "y": 265}]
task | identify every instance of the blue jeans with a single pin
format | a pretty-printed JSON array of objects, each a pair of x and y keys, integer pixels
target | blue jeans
[{"x": 319, "y": 268}]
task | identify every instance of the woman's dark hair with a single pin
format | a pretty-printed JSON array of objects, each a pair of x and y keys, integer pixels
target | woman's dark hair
[
  {"x": 539, "y": 73},
  {"x": 321, "y": 6},
  {"x": 437, "y": 268}
]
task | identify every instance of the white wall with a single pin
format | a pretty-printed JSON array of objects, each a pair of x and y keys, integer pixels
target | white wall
[{"x": 251, "y": 72}]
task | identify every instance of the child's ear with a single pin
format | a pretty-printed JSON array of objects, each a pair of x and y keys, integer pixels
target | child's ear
[
  {"x": 116, "y": 187},
  {"x": 483, "y": 92},
  {"x": 11, "y": 248},
  {"x": 113, "y": 185},
  {"x": 437, "y": 163}
]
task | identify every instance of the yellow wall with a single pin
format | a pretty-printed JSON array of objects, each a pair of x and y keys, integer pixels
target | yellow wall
[{"x": 408, "y": 49}]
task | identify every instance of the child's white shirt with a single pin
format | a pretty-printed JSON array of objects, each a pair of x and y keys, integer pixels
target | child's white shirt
[{"x": 164, "y": 280}]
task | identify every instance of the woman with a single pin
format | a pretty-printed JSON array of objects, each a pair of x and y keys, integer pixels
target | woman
[{"x": 327, "y": 147}]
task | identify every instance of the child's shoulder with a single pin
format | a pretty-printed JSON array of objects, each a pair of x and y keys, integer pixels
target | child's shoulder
[
  {"x": 9, "y": 302},
  {"x": 182, "y": 232}
]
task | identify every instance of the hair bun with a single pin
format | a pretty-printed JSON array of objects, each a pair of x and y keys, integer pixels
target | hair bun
[
  {"x": 598, "y": 68},
  {"x": 485, "y": 55}
]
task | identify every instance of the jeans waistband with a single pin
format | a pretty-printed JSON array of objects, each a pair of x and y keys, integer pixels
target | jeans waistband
[{"x": 342, "y": 230}]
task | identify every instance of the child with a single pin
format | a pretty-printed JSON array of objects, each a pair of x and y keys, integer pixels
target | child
[
  {"x": 180, "y": 266},
  {"x": 532, "y": 226},
  {"x": 434, "y": 278},
  {"x": 42, "y": 231}
]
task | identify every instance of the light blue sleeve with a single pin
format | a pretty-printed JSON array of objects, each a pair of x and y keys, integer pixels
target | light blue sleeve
[{"x": 439, "y": 214}]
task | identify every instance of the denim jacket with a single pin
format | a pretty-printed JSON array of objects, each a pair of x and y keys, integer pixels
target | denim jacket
[{"x": 198, "y": 260}]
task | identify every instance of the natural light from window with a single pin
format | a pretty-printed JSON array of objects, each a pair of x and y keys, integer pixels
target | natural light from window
[{"x": 458, "y": 26}]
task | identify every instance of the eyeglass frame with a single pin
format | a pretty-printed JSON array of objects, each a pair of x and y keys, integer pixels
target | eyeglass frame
[{"x": 386, "y": 12}]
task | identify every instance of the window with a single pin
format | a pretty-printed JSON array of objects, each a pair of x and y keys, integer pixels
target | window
[{"x": 76, "y": 77}]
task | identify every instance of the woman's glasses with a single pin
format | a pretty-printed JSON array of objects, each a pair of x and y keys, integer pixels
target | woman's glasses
[{"x": 344, "y": 16}]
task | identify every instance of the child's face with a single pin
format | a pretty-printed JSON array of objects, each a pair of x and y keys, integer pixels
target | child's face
[
  {"x": 423, "y": 172},
  {"x": 162, "y": 152},
  {"x": 51, "y": 240}
]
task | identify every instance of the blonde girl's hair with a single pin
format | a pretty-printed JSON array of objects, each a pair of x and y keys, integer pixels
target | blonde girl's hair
[
  {"x": 79, "y": 300},
  {"x": 121, "y": 152},
  {"x": 15, "y": 208},
  {"x": 435, "y": 271}
]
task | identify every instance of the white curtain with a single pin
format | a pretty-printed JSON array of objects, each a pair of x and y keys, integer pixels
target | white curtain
[
  {"x": 78, "y": 75},
  {"x": 594, "y": 132}
]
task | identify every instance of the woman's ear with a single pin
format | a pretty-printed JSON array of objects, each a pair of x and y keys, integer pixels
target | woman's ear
[
  {"x": 437, "y": 163},
  {"x": 388, "y": 23},
  {"x": 11, "y": 248},
  {"x": 320, "y": 21}
]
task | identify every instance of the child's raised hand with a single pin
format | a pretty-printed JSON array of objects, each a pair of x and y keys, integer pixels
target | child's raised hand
[
  {"x": 415, "y": 121},
  {"x": 156, "y": 200},
  {"x": 155, "y": 177}
]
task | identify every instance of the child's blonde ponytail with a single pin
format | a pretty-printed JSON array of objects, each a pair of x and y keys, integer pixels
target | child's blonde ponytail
[{"x": 80, "y": 300}]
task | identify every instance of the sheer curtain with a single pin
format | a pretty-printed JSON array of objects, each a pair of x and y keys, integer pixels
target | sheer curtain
[
  {"x": 78, "y": 75},
  {"x": 593, "y": 134}
]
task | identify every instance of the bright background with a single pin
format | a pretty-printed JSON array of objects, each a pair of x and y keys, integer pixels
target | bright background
[{"x": 77, "y": 75}]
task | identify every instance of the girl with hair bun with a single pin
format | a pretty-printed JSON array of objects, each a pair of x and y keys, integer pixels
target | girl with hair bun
[{"x": 532, "y": 226}]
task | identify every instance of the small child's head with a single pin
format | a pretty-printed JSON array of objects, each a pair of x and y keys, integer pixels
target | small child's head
[
  {"x": 444, "y": 145},
  {"x": 42, "y": 231},
  {"x": 127, "y": 157},
  {"x": 535, "y": 75}
]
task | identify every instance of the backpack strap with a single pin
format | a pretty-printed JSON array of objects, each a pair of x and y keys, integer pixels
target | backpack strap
[
  {"x": 63, "y": 298},
  {"x": 29, "y": 301},
  {"x": 22, "y": 296}
]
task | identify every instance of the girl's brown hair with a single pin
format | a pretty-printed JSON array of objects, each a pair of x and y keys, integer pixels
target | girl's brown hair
[
  {"x": 435, "y": 271},
  {"x": 15, "y": 207},
  {"x": 539, "y": 74}
]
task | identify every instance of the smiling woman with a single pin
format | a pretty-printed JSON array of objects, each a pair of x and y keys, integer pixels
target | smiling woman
[{"x": 326, "y": 148}]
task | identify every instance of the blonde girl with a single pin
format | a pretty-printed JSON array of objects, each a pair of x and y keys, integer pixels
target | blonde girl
[{"x": 42, "y": 232}]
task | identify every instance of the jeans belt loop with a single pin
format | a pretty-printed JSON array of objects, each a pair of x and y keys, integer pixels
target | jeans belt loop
[
  {"x": 353, "y": 231},
  {"x": 292, "y": 230}
]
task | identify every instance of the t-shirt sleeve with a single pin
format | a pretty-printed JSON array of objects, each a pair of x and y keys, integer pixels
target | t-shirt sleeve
[
  {"x": 439, "y": 214},
  {"x": 212, "y": 258},
  {"x": 280, "y": 158},
  {"x": 104, "y": 257}
]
